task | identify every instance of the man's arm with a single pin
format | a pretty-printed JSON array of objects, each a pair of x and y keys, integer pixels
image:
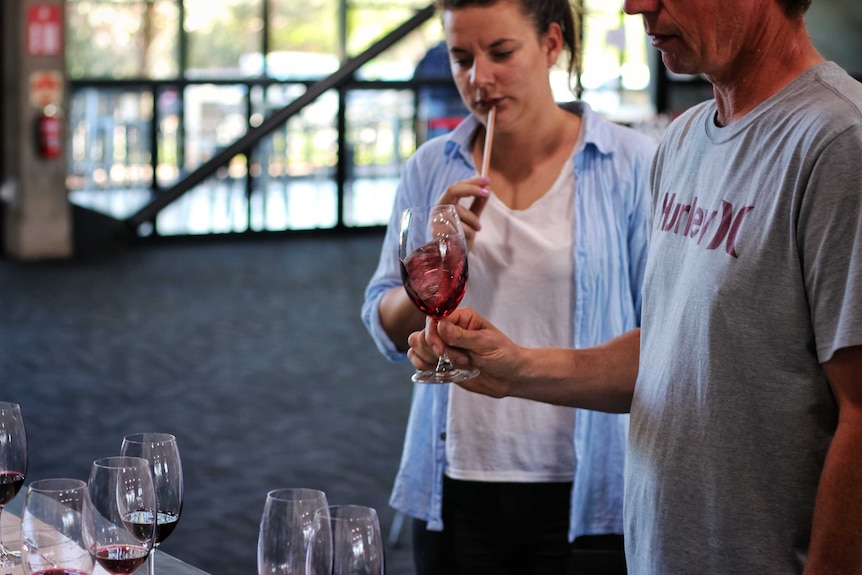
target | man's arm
[
  {"x": 836, "y": 538},
  {"x": 600, "y": 378}
]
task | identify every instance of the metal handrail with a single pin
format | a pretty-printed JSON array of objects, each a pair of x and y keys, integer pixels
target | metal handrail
[{"x": 243, "y": 144}]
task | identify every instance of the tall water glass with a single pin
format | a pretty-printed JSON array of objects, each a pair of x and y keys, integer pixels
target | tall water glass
[
  {"x": 161, "y": 450},
  {"x": 285, "y": 530},
  {"x": 13, "y": 466},
  {"x": 346, "y": 540},
  {"x": 52, "y": 539},
  {"x": 120, "y": 513}
]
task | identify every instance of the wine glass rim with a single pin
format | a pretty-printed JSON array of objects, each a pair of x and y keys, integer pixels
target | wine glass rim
[
  {"x": 11, "y": 405},
  {"x": 350, "y": 511},
  {"x": 150, "y": 437},
  {"x": 57, "y": 484},
  {"x": 295, "y": 494},
  {"x": 429, "y": 207},
  {"x": 121, "y": 462}
]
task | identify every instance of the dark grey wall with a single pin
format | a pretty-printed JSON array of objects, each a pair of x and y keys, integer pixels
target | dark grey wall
[{"x": 835, "y": 27}]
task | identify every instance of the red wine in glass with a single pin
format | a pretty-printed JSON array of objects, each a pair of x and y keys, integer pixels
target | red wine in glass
[
  {"x": 435, "y": 277},
  {"x": 433, "y": 255},
  {"x": 10, "y": 484},
  {"x": 58, "y": 571},
  {"x": 141, "y": 523},
  {"x": 121, "y": 559},
  {"x": 165, "y": 525}
]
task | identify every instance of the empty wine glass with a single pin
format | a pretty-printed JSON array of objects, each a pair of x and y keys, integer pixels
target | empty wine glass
[
  {"x": 433, "y": 254},
  {"x": 345, "y": 540},
  {"x": 52, "y": 539},
  {"x": 285, "y": 530},
  {"x": 161, "y": 450},
  {"x": 13, "y": 466},
  {"x": 119, "y": 513}
]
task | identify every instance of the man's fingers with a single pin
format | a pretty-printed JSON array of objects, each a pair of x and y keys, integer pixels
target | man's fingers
[
  {"x": 462, "y": 328},
  {"x": 420, "y": 349}
]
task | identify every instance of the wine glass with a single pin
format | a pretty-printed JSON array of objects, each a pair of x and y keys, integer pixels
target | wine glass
[
  {"x": 119, "y": 513},
  {"x": 433, "y": 254},
  {"x": 13, "y": 466},
  {"x": 285, "y": 529},
  {"x": 345, "y": 540},
  {"x": 161, "y": 450},
  {"x": 52, "y": 539}
]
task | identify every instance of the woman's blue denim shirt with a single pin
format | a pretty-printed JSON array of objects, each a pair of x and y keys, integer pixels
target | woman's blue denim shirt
[{"x": 610, "y": 236}]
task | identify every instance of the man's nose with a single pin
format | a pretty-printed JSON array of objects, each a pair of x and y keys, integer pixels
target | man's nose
[{"x": 640, "y": 6}]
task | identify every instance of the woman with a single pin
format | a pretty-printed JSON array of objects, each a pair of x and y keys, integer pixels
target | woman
[{"x": 556, "y": 230}]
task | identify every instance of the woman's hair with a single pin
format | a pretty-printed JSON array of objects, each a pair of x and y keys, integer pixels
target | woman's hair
[{"x": 543, "y": 13}]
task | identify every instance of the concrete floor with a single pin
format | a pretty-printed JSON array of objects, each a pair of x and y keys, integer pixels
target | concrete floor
[{"x": 251, "y": 352}]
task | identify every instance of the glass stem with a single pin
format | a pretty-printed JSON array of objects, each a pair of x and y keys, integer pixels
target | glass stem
[
  {"x": 6, "y": 557},
  {"x": 151, "y": 562},
  {"x": 2, "y": 547},
  {"x": 443, "y": 363}
]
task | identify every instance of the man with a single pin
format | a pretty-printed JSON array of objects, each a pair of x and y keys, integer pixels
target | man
[{"x": 745, "y": 381}]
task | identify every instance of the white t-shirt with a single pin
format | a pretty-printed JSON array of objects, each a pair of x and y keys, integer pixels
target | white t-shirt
[{"x": 521, "y": 278}]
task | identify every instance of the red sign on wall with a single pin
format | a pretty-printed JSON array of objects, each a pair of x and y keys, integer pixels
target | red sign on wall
[
  {"x": 46, "y": 87},
  {"x": 45, "y": 30}
]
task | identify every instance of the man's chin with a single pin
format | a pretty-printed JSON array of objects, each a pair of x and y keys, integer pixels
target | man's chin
[{"x": 679, "y": 66}]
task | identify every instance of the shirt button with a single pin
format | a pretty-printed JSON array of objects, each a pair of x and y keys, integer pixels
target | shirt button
[{"x": 443, "y": 436}]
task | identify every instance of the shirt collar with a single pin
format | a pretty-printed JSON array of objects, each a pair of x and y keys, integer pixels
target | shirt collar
[{"x": 594, "y": 132}]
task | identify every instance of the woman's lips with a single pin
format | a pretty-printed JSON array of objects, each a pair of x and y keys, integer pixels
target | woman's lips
[{"x": 488, "y": 103}]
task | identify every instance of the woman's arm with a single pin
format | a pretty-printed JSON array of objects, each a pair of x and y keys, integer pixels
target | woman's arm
[{"x": 399, "y": 317}]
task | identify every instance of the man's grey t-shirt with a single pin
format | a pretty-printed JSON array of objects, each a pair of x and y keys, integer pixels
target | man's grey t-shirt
[{"x": 754, "y": 277}]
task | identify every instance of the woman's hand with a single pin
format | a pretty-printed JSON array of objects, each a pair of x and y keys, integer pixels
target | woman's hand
[{"x": 476, "y": 188}]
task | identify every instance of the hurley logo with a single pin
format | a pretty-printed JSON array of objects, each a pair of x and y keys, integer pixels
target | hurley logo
[{"x": 700, "y": 224}]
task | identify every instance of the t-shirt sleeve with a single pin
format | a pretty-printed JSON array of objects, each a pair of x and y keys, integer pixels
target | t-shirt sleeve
[{"x": 830, "y": 235}]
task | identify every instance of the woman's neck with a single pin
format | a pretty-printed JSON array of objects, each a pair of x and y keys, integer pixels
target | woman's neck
[{"x": 531, "y": 142}]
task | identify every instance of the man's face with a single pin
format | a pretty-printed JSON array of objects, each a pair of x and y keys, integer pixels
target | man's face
[{"x": 702, "y": 36}]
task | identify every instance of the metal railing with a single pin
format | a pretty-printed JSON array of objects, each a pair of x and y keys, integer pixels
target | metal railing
[{"x": 140, "y": 149}]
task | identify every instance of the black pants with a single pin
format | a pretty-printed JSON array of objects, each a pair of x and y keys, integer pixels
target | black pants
[
  {"x": 497, "y": 529},
  {"x": 598, "y": 555}
]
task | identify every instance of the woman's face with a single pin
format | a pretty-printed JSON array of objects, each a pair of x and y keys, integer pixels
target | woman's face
[{"x": 498, "y": 60}]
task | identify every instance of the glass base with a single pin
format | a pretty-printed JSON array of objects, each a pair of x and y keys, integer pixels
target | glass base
[
  {"x": 9, "y": 558},
  {"x": 453, "y": 375}
]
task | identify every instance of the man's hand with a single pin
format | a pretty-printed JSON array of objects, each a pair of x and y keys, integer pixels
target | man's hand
[
  {"x": 471, "y": 341},
  {"x": 601, "y": 377}
]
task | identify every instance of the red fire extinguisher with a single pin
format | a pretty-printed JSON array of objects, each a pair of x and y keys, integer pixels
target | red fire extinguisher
[{"x": 49, "y": 133}]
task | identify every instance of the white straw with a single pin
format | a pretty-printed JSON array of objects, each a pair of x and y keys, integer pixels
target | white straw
[{"x": 489, "y": 137}]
